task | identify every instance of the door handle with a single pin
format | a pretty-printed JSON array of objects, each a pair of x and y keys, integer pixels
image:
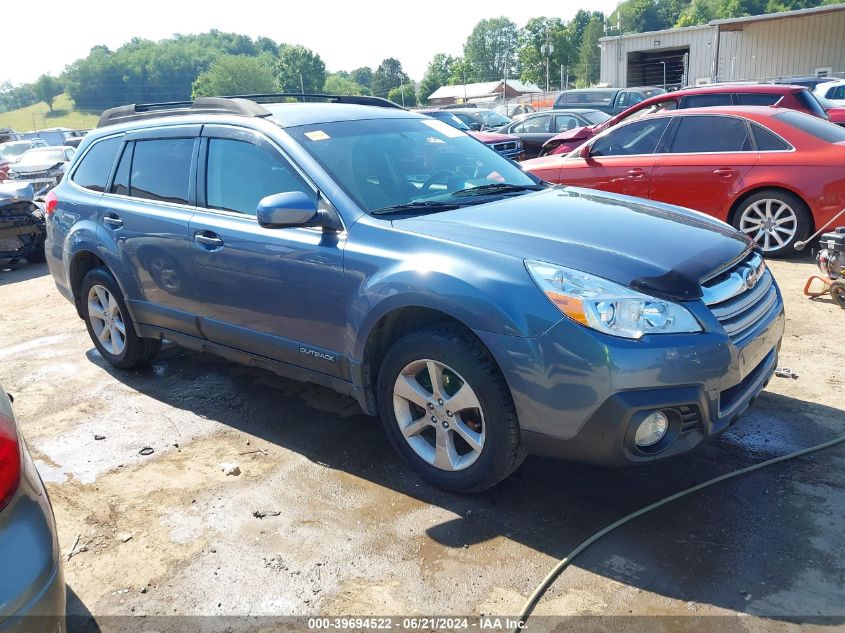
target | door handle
[
  {"x": 207, "y": 238},
  {"x": 113, "y": 220},
  {"x": 636, "y": 172},
  {"x": 724, "y": 172}
]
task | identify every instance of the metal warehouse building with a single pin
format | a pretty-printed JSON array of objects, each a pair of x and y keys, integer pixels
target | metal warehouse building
[{"x": 787, "y": 44}]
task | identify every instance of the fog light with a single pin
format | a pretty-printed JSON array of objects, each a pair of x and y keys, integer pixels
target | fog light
[{"x": 652, "y": 429}]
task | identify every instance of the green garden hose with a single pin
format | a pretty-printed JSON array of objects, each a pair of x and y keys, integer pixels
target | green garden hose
[{"x": 564, "y": 563}]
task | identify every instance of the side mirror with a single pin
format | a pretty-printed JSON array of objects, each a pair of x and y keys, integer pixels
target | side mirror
[
  {"x": 289, "y": 209},
  {"x": 475, "y": 127},
  {"x": 584, "y": 152}
]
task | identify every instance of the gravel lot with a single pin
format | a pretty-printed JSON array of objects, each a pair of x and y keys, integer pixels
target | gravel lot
[{"x": 350, "y": 530}]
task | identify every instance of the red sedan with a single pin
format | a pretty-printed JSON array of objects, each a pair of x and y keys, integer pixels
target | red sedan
[
  {"x": 773, "y": 173},
  {"x": 785, "y": 96}
]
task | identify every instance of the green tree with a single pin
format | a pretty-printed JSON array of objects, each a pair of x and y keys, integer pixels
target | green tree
[
  {"x": 437, "y": 74},
  {"x": 405, "y": 95},
  {"x": 233, "y": 75},
  {"x": 589, "y": 61},
  {"x": 300, "y": 69},
  {"x": 536, "y": 33},
  {"x": 490, "y": 50},
  {"x": 387, "y": 76},
  {"x": 697, "y": 12},
  {"x": 47, "y": 88},
  {"x": 337, "y": 84},
  {"x": 362, "y": 76}
]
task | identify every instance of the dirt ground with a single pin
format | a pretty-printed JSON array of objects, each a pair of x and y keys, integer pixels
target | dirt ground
[{"x": 350, "y": 530}]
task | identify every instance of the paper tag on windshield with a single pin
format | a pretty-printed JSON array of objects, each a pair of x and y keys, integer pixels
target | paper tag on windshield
[
  {"x": 317, "y": 135},
  {"x": 444, "y": 128}
]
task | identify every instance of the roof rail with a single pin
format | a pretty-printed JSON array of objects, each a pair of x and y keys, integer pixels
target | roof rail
[
  {"x": 306, "y": 97},
  {"x": 201, "y": 105}
]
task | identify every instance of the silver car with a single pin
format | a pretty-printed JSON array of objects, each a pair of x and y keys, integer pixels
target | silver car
[
  {"x": 32, "y": 585},
  {"x": 42, "y": 167}
]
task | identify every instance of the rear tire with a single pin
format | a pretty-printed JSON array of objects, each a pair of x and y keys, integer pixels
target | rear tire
[
  {"x": 837, "y": 291},
  {"x": 774, "y": 219},
  {"x": 468, "y": 449},
  {"x": 109, "y": 323}
]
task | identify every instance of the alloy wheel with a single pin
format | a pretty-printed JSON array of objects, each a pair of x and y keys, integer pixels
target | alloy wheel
[
  {"x": 439, "y": 415},
  {"x": 106, "y": 319},
  {"x": 770, "y": 222}
]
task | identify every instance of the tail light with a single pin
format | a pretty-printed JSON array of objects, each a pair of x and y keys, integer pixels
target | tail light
[
  {"x": 50, "y": 202},
  {"x": 10, "y": 460}
]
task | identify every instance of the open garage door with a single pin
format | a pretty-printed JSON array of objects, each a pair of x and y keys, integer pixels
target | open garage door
[{"x": 646, "y": 69}]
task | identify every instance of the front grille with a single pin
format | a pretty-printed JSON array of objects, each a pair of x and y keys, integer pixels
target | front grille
[
  {"x": 505, "y": 147},
  {"x": 738, "y": 307}
]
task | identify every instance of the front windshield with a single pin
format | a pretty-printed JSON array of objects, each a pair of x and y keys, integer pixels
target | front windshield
[
  {"x": 12, "y": 150},
  {"x": 387, "y": 163},
  {"x": 492, "y": 119},
  {"x": 448, "y": 117},
  {"x": 43, "y": 156}
]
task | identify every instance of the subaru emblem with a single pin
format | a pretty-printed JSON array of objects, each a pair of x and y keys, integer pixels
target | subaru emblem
[{"x": 750, "y": 277}]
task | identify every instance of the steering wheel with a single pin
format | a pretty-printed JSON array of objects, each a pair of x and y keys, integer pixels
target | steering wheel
[{"x": 435, "y": 177}]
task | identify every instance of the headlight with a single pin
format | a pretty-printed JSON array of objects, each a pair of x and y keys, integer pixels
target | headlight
[{"x": 607, "y": 306}]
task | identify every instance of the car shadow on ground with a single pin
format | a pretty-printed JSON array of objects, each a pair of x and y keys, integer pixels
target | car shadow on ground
[
  {"x": 12, "y": 273},
  {"x": 763, "y": 536}
]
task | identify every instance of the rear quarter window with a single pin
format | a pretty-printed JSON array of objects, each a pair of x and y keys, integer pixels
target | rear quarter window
[
  {"x": 94, "y": 168},
  {"x": 768, "y": 141}
]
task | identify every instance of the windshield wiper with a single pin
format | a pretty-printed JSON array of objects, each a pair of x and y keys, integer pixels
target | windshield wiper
[
  {"x": 422, "y": 206},
  {"x": 494, "y": 188}
]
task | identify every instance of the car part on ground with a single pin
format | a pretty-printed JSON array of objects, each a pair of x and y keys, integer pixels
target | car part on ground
[
  {"x": 353, "y": 245},
  {"x": 32, "y": 588},
  {"x": 22, "y": 228},
  {"x": 772, "y": 173}
]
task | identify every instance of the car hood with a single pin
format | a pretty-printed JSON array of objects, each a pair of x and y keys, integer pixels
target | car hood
[
  {"x": 493, "y": 137},
  {"x": 656, "y": 248},
  {"x": 31, "y": 168},
  {"x": 837, "y": 115},
  {"x": 576, "y": 133}
]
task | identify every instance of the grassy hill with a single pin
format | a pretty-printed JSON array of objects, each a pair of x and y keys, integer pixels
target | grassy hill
[{"x": 38, "y": 116}]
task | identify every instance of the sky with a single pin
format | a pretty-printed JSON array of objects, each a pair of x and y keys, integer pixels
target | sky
[{"x": 346, "y": 34}]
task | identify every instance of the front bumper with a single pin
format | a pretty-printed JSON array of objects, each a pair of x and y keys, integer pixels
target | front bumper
[{"x": 579, "y": 394}]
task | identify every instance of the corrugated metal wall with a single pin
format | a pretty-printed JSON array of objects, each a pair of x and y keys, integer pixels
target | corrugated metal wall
[
  {"x": 762, "y": 50},
  {"x": 784, "y": 48}
]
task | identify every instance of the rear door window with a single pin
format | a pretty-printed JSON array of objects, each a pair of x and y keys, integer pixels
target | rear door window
[
  {"x": 711, "y": 134},
  {"x": 707, "y": 100},
  {"x": 94, "y": 169},
  {"x": 757, "y": 98},
  {"x": 534, "y": 125},
  {"x": 640, "y": 137},
  {"x": 161, "y": 170}
]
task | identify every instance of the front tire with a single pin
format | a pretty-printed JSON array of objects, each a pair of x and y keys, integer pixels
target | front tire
[
  {"x": 109, "y": 324},
  {"x": 448, "y": 411},
  {"x": 775, "y": 220}
]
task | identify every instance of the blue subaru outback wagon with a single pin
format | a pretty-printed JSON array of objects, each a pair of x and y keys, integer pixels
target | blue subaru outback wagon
[{"x": 482, "y": 314}]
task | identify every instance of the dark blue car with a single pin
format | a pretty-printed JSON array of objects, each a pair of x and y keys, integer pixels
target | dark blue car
[{"x": 481, "y": 313}]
